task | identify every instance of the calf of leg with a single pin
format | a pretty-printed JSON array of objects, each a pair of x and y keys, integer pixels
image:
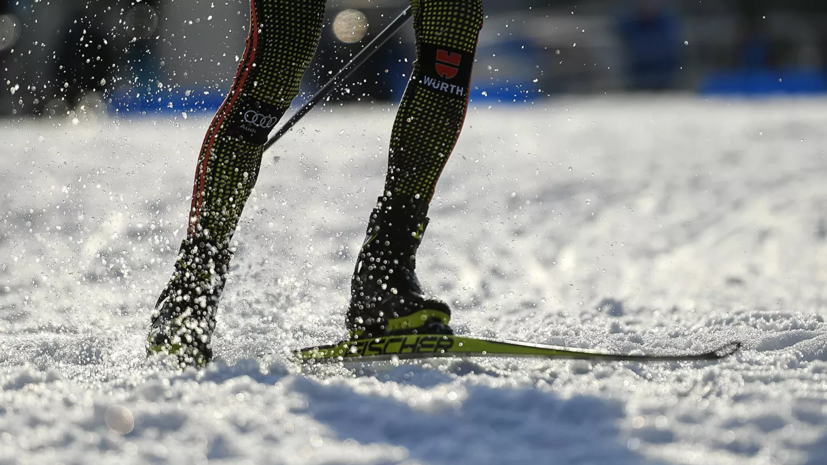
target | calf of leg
[
  {"x": 432, "y": 111},
  {"x": 283, "y": 37}
]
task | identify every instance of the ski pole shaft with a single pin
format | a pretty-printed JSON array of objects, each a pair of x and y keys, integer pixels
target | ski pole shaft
[{"x": 343, "y": 74}]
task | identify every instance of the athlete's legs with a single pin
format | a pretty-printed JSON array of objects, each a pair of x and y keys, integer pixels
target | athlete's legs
[
  {"x": 385, "y": 293},
  {"x": 283, "y": 37}
]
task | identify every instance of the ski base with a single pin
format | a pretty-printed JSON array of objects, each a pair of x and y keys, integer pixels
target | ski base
[{"x": 419, "y": 346}]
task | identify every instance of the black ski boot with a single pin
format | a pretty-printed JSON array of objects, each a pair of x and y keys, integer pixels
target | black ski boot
[
  {"x": 184, "y": 317},
  {"x": 385, "y": 295}
]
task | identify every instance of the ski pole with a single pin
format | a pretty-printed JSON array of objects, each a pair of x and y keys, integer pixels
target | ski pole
[{"x": 343, "y": 74}]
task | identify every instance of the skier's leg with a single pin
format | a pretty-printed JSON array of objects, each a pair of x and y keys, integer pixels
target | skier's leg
[
  {"x": 283, "y": 37},
  {"x": 385, "y": 293}
]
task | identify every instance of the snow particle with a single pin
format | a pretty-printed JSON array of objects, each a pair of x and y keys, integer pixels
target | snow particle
[
  {"x": 350, "y": 26},
  {"x": 119, "y": 419}
]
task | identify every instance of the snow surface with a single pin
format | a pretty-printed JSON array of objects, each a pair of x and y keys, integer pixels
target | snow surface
[{"x": 657, "y": 225}]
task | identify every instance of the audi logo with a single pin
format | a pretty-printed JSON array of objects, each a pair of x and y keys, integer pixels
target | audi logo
[{"x": 257, "y": 119}]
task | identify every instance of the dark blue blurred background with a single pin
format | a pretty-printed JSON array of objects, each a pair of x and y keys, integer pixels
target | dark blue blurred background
[{"x": 157, "y": 56}]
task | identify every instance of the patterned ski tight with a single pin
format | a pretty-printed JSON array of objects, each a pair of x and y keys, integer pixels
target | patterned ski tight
[{"x": 282, "y": 40}]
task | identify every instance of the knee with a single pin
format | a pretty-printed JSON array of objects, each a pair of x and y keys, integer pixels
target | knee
[
  {"x": 450, "y": 22},
  {"x": 469, "y": 14}
]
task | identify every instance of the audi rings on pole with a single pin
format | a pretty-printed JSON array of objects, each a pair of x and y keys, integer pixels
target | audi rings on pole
[{"x": 257, "y": 119}]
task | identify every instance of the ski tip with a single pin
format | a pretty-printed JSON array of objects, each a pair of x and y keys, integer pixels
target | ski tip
[{"x": 727, "y": 349}]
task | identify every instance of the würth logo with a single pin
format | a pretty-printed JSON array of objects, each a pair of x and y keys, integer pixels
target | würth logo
[{"x": 447, "y": 63}]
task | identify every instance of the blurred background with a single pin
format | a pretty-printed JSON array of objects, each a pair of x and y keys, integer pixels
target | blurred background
[{"x": 142, "y": 57}]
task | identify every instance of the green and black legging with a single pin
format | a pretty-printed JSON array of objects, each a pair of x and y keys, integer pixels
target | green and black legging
[{"x": 282, "y": 40}]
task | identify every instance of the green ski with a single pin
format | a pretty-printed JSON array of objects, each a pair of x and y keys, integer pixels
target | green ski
[{"x": 418, "y": 346}]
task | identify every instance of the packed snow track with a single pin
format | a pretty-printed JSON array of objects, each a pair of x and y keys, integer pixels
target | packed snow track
[{"x": 652, "y": 225}]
